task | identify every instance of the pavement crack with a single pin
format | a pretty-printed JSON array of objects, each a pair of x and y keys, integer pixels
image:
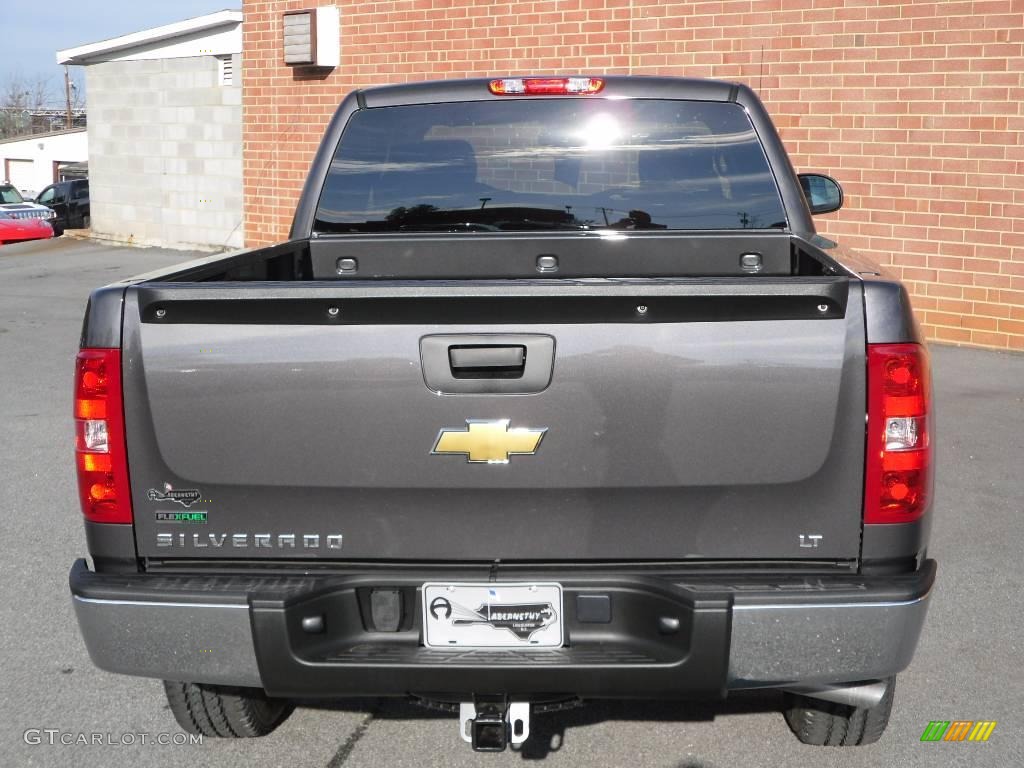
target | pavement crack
[{"x": 345, "y": 750}]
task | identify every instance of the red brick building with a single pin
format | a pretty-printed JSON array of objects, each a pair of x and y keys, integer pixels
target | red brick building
[{"x": 916, "y": 107}]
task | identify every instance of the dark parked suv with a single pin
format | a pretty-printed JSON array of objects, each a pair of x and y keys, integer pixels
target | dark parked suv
[{"x": 70, "y": 201}]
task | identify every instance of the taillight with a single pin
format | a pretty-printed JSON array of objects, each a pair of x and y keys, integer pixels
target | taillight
[
  {"x": 546, "y": 86},
  {"x": 898, "y": 472},
  {"x": 100, "y": 454}
]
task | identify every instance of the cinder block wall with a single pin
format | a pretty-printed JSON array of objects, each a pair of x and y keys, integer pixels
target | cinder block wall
[
  {"x": 165, "y": 141},
  {"x": 916, "y": 107}
]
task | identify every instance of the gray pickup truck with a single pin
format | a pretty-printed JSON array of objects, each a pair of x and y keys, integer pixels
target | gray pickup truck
[{"x": 554, "y": 394}]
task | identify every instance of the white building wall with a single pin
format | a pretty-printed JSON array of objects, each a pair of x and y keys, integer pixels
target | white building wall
[
  {"x": 32, "y": 157},
  {"x": 166, "y": 143},
  {"x": 165, "y": 133}
]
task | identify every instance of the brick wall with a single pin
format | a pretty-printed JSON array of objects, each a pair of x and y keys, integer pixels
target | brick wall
[{"x": 916, "y": 107}]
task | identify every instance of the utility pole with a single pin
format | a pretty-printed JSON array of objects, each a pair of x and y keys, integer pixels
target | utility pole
[{"x": 67, "y": 97}]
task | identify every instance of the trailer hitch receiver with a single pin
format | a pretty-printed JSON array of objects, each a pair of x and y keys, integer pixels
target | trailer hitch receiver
[{"x": 491, "y": 723}]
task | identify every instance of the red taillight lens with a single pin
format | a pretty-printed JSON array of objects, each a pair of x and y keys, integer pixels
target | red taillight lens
[
  {"x": 898, "y": 472},
  {"x": 546, "y": 86},
  {"x": 100, "y": 454}
]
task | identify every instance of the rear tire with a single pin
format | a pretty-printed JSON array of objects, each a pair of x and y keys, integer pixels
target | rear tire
[
  {"x": 826, "y": 724},
  {"x": 225, "y": 712}
]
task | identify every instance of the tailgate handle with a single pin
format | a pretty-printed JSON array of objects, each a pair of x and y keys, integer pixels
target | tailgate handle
[{"x": 487, "y": 361}]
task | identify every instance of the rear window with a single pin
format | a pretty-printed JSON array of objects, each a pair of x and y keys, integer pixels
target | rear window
[{"x": 549, "y": 164}]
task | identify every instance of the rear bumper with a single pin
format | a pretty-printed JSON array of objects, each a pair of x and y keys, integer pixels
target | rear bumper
[{"x": 664, "y": 638}]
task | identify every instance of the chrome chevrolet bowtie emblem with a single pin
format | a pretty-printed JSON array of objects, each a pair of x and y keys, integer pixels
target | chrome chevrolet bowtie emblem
[{"x": 488, "y": 442}]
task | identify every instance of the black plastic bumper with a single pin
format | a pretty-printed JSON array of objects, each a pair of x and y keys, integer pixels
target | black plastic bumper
[{"x": 660, "y": 638}]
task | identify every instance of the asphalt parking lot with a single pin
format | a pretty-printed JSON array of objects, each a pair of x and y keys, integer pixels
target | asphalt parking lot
[{"x": 969, "y": 665}]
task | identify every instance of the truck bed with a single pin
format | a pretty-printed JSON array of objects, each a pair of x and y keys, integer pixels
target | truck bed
[{"x": 727, "y": 411}]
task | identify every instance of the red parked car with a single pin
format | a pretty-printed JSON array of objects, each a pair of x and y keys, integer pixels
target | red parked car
[
  {"x": 15, "y": 230},
  {"x": 20, "y": 220}
]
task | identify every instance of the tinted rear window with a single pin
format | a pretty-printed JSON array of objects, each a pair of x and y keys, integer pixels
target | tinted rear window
[{"x": 543, "y": 164}]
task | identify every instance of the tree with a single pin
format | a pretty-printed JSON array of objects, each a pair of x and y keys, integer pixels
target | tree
[{"x": 20, "y": 98}]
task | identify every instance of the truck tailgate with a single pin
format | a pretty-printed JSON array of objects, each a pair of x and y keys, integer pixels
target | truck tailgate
[{"x": 668, "y": 419}]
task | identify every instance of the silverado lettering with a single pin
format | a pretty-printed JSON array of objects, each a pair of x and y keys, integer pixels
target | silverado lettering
[{"x": 266, "y": 540}]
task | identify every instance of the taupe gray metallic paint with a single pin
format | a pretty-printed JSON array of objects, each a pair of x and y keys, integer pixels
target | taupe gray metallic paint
[
  {"x": 888, "y": 315},
  {"x": 656, "y": 443},
  {"x": 674, "y": 440}
]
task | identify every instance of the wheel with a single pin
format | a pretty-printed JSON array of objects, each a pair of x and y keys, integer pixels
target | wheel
[
  {"x": 213, "y": 710},
  {"x": 824, "y": 723}
]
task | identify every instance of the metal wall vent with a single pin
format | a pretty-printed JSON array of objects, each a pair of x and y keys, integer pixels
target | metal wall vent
[
  {"x": 226, "y": 70},
  {"x": 312, "y": 37}
]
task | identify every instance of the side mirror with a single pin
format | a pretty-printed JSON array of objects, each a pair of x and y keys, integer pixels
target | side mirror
[{"x": 823, "y": 193}]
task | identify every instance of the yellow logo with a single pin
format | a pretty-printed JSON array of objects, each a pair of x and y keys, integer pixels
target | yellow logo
[{"x": 488, "y": 442}]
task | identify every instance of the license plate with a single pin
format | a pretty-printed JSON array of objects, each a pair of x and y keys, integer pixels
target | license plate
[{"x": 492, "y": 615}]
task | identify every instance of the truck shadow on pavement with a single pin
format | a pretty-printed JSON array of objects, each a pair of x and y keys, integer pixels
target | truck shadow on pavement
[{"x": 549, "y": 731}]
